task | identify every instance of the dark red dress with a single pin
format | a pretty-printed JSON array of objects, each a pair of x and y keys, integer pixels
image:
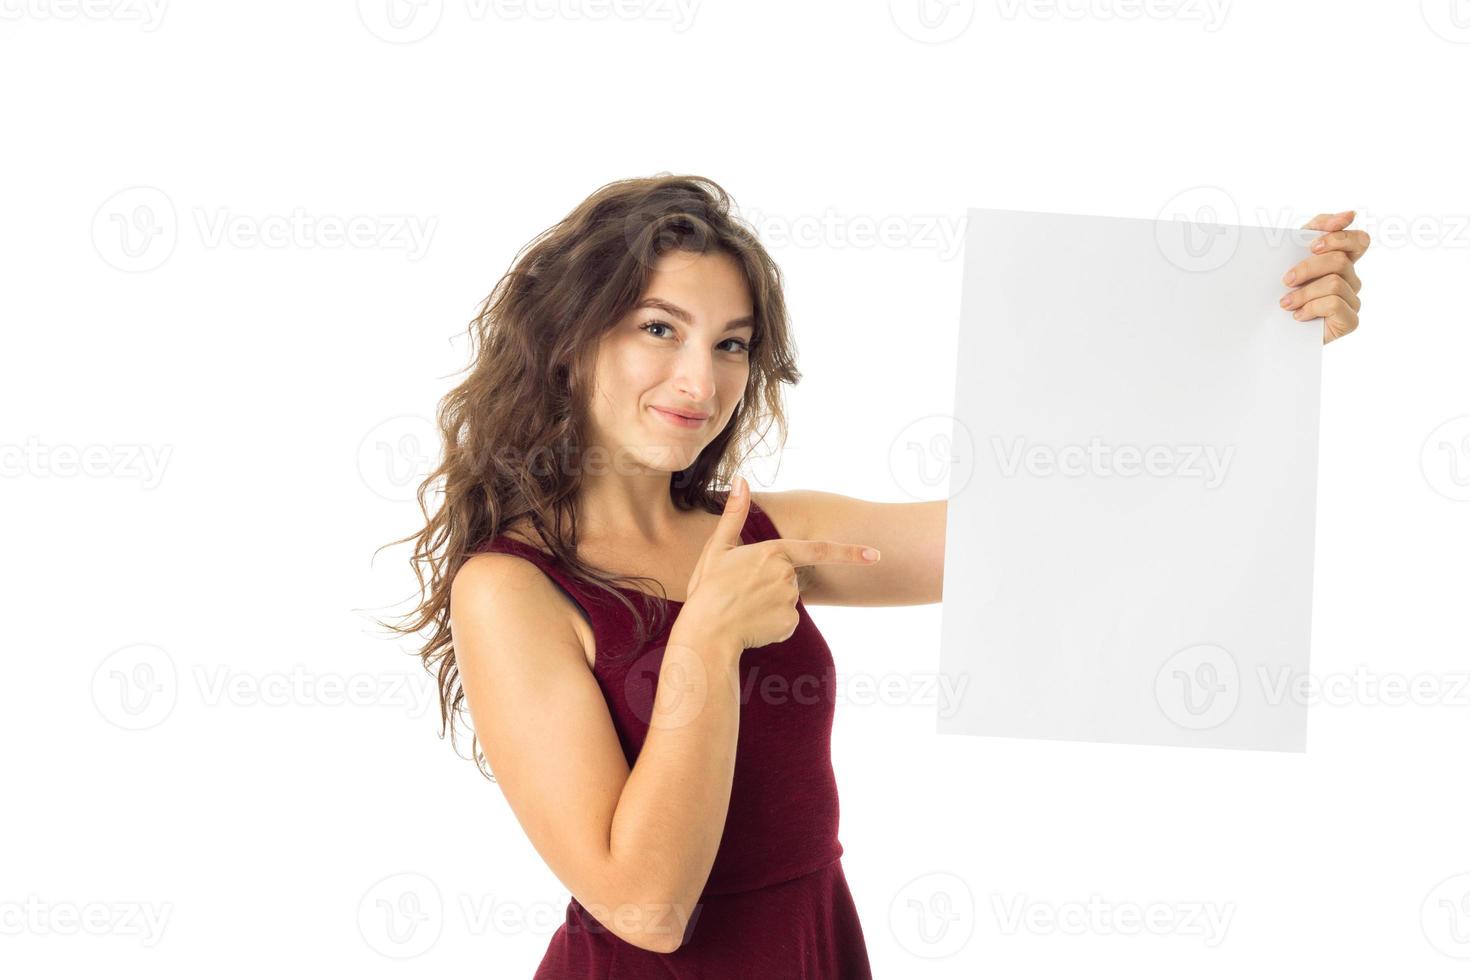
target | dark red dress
[{"x": 776, "y": 905}]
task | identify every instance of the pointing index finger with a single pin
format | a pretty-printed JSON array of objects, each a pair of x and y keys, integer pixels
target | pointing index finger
[{"x": 801, "y": 552}]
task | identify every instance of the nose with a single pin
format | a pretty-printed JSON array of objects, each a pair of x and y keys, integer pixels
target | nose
[{"x": 695, "y": 377}]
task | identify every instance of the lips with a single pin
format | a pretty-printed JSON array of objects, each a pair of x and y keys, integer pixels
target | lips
[
  {"x": 676, "y": 419},
  {"x": 691, "y": 416}
]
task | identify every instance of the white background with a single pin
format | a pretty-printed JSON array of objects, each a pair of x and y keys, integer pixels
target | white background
[{"x": 283, "y": 387}]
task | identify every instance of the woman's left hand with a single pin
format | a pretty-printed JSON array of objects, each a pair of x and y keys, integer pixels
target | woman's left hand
[{"x": 1326, "y": 284}]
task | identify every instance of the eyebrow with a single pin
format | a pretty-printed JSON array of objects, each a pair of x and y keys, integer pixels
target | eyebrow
[{"x": 654, "y": 302}]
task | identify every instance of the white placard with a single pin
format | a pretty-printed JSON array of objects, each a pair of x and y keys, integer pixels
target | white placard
[{"x": 1132, "y": 498}]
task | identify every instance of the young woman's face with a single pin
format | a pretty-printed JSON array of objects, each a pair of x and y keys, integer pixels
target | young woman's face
[{"x": 684, "y": 350}]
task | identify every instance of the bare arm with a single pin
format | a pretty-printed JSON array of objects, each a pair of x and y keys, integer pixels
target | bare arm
[
  {"x": 910, "y": 536},
  {"x": 634, "y": 847},
  {"x": 671, "y": 815}
]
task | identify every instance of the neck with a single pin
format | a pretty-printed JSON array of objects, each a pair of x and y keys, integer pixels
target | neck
[{"x": 634, "y": 508}]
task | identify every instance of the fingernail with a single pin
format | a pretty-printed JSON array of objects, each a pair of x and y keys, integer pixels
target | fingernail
[
  {"x": 739, "y": 486},
  {"x": 1286, "y": 300},
  {"x": 1289, "y": 278},
  {"x": 871, "y": 554},
  {"x": 1318, "y": 245}
]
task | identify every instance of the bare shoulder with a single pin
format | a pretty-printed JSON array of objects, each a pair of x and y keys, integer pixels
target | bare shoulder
[
  {"x": 495, "y": 585},
  {"x": 504, "y": 593},
  {"x": 488, "y": 572}
]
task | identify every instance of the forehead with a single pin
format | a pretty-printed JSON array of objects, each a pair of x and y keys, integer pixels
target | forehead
[{"x": 709, "y": 285}]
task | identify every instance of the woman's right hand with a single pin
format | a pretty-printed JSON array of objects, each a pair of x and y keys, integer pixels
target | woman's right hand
[{"x": 746, "y": 593}]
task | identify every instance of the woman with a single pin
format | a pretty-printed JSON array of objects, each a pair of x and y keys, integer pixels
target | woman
[{"x": 623, "y": 366}]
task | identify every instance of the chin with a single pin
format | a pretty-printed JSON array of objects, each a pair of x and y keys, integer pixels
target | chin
[
  {"x": 663, "y": 458},
  {"x": 674, "y": 460}
]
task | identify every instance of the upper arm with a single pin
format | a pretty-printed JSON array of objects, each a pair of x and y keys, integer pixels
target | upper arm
[
  {"x": 541, "y": 720},
  {"x": 909, "y": 535}
]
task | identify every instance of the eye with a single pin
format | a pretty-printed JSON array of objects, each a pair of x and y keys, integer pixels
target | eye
[
  {"x": 743, "y": 347},
  {"x": 655, "y": 323}
]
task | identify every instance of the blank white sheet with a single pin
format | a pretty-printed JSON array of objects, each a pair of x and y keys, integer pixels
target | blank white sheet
[{"x": 1132, "y": 498}]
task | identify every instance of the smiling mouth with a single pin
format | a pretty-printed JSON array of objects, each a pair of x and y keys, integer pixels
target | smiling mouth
[{"x": 682, "y": 421}]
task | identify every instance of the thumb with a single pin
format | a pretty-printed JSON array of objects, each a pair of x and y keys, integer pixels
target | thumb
[{"x": 737, "y": 506}]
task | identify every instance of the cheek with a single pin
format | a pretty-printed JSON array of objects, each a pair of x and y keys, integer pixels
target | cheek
[
  {"x": 732, "y": 386},
  {"x": 625, "y": 373}
]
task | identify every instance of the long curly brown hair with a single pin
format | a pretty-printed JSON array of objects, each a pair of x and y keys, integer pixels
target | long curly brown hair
[{"x": 512, "y": 430}]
